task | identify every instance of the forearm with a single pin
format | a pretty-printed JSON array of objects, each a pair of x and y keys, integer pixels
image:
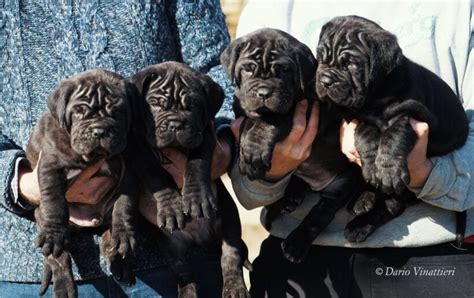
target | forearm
[
  {"x": 256, "y": 193},
  {"x": 449, "y": 184},
  {"x": 9, "y": 163}
]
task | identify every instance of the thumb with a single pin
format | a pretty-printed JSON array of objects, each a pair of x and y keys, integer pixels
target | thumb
[
  {"x": 421, "y": 128},
  {"x": 235, "y": 127}
]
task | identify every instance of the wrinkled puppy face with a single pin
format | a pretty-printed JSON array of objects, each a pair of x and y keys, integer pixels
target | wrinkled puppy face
[
  {"x": 271, "y": 69},
  {"x": 354, "y": 55},
  {"x": 181, "y": 103},
  {"x": 94, "y": 107}
]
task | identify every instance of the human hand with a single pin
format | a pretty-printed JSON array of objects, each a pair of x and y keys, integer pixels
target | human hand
[
  {"x": 86, "y": 188},
  {"x": 419, "y": 166},
  {"x": 347, "y": 141},
  {"x": 296, "y": 148},
  {"x": 220, "y": 161}
]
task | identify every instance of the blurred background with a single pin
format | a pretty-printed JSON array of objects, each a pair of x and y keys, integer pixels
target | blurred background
[{"x": 252, "y": 231}]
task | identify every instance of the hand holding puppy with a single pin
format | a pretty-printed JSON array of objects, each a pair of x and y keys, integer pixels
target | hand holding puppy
[
  {"x": 419, "y": 165},
  {"x": 296, "y": 148}
]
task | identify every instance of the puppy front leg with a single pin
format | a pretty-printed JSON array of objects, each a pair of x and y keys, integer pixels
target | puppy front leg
[
  {"x": 234, "y": 251},
  {"x": 56, "y": 269},
  {"x": 160, "y": 201},
  {"x": 396, "y": 142},
  {"x": 198, "y": 199},
  {"x": 257, "y": 141},
  {"x": 367, "y": 138},
  {"x": 123, "y": 231},
  {"x": 54, "y": 233},
  {"x": 119, "y": 264}
]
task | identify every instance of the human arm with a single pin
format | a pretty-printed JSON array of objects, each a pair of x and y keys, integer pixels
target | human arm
[{"x": 10, "y": 157}]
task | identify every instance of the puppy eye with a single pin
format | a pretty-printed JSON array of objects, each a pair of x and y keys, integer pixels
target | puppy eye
[
  {"x": 352, "y": 65},
  {"x": 158, "y": 102},
  {"x": 249, "y": 67}
]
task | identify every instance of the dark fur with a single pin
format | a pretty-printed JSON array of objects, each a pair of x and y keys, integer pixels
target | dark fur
[
  {"x": 88, "y": 119},
  {"x": 180, "y": 106},
  {"x": 362, "y": 69},
  {"x": 281, "y": 66}
]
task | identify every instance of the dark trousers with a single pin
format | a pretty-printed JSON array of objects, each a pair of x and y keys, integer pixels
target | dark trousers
[{"x": 432, "y": 271}]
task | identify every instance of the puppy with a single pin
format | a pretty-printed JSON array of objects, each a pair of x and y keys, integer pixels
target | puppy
[
  {"x": 88, "y": 120},
  {"x": 180, "y": 106},
  {"x": 272, "y": 72},
  {"x": 362, "y": 69}
]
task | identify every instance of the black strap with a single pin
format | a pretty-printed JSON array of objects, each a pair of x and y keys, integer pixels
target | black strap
[{"x": 461, "y": 218}]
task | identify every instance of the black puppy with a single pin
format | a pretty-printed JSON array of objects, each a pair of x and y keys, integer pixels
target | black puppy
[
  {"x": 180, "y": 106},
  {"x": 88, "y": 119},
  {"x": 273, "y": 71},
  {"x": 362, "y": 69}
]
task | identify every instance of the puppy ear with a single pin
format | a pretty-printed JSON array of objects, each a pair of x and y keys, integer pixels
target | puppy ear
[
  {"x": 307, "y": 65},
  {"x": 386, "y": 54},
  {"x": 141, "y": 80},
  {"x": 215, "y": 96},
  {"x": 230, "y": 56},
  {"x": 58, "y": 100}
]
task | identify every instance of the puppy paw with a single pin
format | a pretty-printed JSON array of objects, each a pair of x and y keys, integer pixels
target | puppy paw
[
  {"x": 199, "y": 201},
  {"x": 296, "y": 246},
  {"x": 358, "y": 229},
  {"x": 392, "y": 173},
  {"x": 123, "y": 240},
  {"x": 170, "y": 214},
  {"x": 61, "y": 275},
  {"x": 188, "y": 291},
  {"x": 234, "y": 287},
  {"x": 255, "y": 160},
  {"x": 64, "y": 287},
  {"x": 363, "y": 204},
  {"x": 52, "y": 240}
]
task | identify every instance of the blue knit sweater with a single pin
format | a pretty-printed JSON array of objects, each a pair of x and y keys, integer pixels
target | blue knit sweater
[{"x": 43, "y": 42}]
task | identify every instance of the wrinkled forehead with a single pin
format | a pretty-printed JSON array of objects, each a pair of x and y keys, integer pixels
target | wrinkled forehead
[
  {"x": 173, "y": 81},
  {"x": 96, "y": 91},
  {"x": 343, "y": 40},
  {"x": 266, "y": 50}
]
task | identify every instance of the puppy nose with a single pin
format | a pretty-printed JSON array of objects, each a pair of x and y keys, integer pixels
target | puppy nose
[
  {"x": 326, "y": 81},
  {"x": 175, "y": 125},
  {"x": 264, "y": 93},
  {"x": 98, "y": 132}
]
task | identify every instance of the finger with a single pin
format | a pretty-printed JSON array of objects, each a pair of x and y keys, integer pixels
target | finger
[
  {"x": 421, "y": 128},
  {"x": 235, "y": 127},
  {"x": 312, "y": 127},
  {"x": 299, "y": 122}
]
